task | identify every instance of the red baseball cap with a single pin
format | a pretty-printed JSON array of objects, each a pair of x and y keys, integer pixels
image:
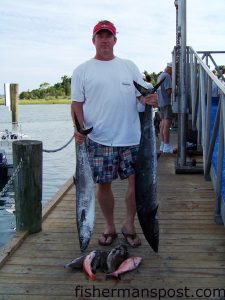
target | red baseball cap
[{"x": 104, "y": 25}]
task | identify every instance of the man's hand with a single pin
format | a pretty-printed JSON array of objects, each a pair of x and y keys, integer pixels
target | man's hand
[
  {"x": 151, "y": 100},
  {"x": 79, "y": 137}
]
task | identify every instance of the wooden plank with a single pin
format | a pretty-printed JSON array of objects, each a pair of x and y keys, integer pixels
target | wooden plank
[
  {"x": 191, "y": 251},
  {"x": 11, "y": 246},
  {"x": 68, "y": 289},
  {"x": 50, "y": 205},
  {"x": 15, "y": 242}
]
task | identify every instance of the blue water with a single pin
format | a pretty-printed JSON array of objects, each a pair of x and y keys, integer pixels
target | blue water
[{"x": 52, "y": 125}]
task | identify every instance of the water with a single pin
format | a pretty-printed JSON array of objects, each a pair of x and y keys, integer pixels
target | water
[{"x": 52, "y": 125}]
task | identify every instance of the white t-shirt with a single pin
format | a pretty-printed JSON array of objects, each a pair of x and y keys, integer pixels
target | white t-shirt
[{"x": 110, "y": 100}]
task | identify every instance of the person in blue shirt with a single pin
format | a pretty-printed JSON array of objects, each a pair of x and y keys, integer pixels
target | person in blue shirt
[{"x": 165, "y": 108}]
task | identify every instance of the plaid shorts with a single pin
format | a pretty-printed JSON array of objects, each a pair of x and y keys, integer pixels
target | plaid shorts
[{"x": 107, "y": 161}]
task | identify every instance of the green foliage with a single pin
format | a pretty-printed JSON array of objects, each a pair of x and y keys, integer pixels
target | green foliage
[
  {"x": 153, "y": 76},
  {"x": 222, "y": 67},
  {"x": 59, "y": 91},
  {"x": 46, "y": 91},
  {"x": 44, "y": 85},
  {"x": 44, "y": 101}
]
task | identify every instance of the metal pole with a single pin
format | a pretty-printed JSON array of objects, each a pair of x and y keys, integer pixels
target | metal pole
[
  {"x": 182, "y": 99},
  {"x": 183, "y": 115}
]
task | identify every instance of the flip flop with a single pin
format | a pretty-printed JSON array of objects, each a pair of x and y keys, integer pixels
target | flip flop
[
  {"x": 132, "y": 237},
  {"x": 113, "y": 236}
]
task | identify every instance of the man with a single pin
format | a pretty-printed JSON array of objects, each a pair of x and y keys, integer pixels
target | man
[
  {"x": 104, "y": 97},
  {"x": 166, "y": 114}
]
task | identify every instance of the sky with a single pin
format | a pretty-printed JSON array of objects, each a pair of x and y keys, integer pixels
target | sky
[{"x": 43, "y": 40}]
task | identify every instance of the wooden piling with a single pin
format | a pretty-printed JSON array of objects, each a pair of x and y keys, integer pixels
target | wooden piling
[
  {"x": 14, "y": 98},
  {"x": 28, "y": 185}
]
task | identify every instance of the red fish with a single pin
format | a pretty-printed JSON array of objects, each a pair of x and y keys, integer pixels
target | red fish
[
  {"x": 87, "y": 265},
  {"x": 127, "y": 265}
]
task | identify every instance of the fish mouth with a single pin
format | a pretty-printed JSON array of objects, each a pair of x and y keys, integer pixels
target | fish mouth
[{"x": 84, "y": 242}]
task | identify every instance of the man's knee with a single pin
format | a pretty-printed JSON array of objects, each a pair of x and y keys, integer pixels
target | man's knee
[
  {"x": 131, "y": 179},
  {"x": 102, "y": 187}
]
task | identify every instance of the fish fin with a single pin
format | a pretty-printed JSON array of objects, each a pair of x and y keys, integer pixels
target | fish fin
[
  {"x": 157, "y": 86},
  {"x": 141, "y": 89},
  {"x": 145, "y": 91}
]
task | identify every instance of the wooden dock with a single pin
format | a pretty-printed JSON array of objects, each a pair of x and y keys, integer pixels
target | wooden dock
[{"x": 190, "y": 262}]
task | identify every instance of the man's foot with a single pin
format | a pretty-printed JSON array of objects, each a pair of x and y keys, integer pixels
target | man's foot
[
  {"x": 131, "y": 238},
  {"x": 106, "y": 239},
  {"x": 161, "y": 147},
  {"x": 167, "y": 148}
]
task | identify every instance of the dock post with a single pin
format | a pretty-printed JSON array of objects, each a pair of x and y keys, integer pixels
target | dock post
[
  {"x": 27, "y": 154},
  {"x": 14, "y": 99}
]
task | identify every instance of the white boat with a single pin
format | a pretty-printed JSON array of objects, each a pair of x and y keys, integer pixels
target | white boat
[
  {"x": 3, "y": 164},
  {"x": 6, "y": 156}
]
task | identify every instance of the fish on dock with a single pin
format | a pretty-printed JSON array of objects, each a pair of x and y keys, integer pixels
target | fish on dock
[
  {"x": 87, "y": 265},
  {"x": 115, "y": 257},
  {"x": 113, "y": 262},
  {"x": 99, "y": 261},
  {"x": 96, "y": 259},
  {"x": 127, "y": 265},
  {"x": 146, "y": 175}
]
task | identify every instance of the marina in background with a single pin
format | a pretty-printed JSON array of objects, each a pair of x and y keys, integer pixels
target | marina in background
[{"x": 52, "y": 125}]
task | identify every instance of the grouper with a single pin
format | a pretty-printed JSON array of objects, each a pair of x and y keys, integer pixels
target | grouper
[
  {"x": 146, "y": 175},
  {"x": 85, "y": 192}
]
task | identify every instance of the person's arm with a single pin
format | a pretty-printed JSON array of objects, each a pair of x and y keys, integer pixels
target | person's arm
[
  {"x": 169, "y": 92},
  {"x": 77, "y": 110}
]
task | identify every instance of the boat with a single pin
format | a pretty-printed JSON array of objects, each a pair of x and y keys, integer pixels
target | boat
[
  {"x": 3, "y": 164},
  {"x": 7, "y": 137}
]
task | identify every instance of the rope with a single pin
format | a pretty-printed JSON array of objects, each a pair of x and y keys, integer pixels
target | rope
[
  {"x": 56, "y": 150},
  {"x": 18, "y": 168}
]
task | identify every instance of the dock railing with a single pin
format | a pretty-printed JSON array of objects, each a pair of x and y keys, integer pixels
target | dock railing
[{"x": 208, "y": 118}]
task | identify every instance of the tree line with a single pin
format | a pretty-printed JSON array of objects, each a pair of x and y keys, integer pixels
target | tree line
[
  {"x": 47, "y": 91},
  {"x": 62, "y": 89}
]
